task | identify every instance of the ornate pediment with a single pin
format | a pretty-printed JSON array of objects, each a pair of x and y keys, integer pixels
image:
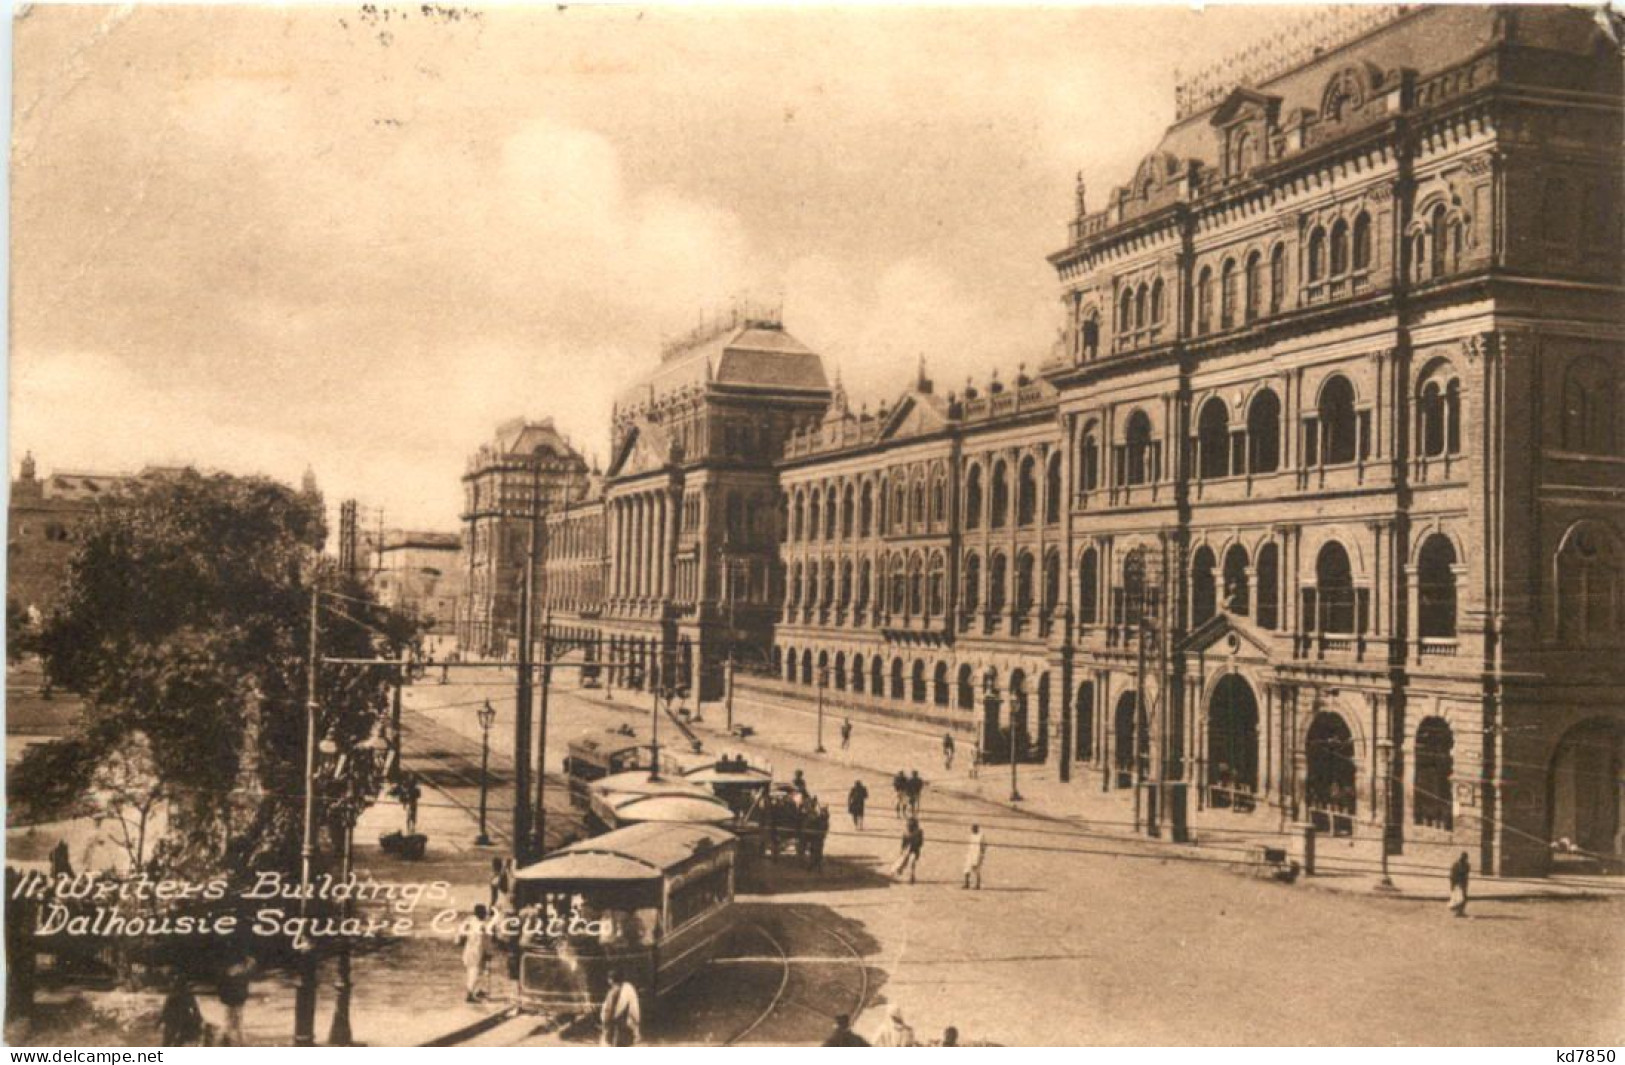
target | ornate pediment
[
  {"x": 1226, "y": 633},
  {"x": 1245, "y": 105}
]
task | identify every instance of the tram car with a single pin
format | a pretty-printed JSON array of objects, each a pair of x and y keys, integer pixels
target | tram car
[
  {"x": 744, "y": 786},
  {"x": 640, "y": 797},
  {"x": 607, "y": 753},
  {"x": 652, "y": 901}
]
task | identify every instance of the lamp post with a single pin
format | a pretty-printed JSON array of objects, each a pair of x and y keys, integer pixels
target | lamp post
[
  {"x": 345, "y": 775},
  {"x": 1018, "y": 716},
  {"x": 304, "y": 1005},
  {"x": 487, "y": 716},
  {"x": 823, "y": 679},
  {"x": 1385, "y": 752}
]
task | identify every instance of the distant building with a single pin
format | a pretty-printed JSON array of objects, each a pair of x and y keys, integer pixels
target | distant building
[
  {"x": 42, "y": 528},
  {"x": 421, "y": 574},
  {"x": 529, "y": 467}
]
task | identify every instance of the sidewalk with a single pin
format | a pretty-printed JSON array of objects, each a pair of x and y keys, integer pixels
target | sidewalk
[{"x": 1341, "y": 864}]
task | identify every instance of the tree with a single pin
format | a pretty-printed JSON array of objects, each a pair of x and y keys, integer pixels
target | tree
[
  {"x": 185, "y": 620},
  {"x": 126, "y": 790}
]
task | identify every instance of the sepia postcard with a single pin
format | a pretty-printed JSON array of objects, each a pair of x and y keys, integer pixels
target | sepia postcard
[{"x": 564, "y": 526}]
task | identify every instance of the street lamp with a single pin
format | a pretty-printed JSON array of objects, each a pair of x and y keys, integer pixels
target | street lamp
[
  {"x": 347, "y": 777},
  {"x": 1385, "y": 752},
  {"x": 487, "y": 716},
  {"x": 1016, "y": 708},
  {"x": 823, "y": 679}
]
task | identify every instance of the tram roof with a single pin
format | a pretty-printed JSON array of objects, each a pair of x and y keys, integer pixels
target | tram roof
[
  {"x": 638, "y": 852},
  {"x": 638, "y": 782},
  {"x": 673, "y": 809}
]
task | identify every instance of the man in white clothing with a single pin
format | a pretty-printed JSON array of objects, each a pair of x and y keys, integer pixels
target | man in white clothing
[{"x": 975, "y": 853}]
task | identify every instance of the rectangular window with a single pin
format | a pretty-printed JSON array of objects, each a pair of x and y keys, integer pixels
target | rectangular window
[{"x": 1311, "y": 442}]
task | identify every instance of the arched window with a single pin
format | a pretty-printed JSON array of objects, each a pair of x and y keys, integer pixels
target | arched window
[
  {"x": 1268, "y": 572},
  {"x": 1204, "y": 300},
  {"x": 1024, "y": 584},
  {"x": 1338, "y": 424},
  {"x": 1438, "y": 416},
  {"x": 965, "y": 697},
  {"x": 866, "y": 512},
  {"x": 1125, "y": 313},
  {"x": 1439, "y": 239},
  {"x": 916, "y": 586},
  {"x": 998, "y": 577},
  {"x": 937, "y": 598},
  {"x": 1264, "y": 432},
  {"x": 830, "y": 515},
  {"x": 899, "y": 508},
  {"x": 1588, "y": 583},
  {"x": 1137, "y": 449},
  {"x": 1255, "y": 285},
  {"x": 1340, "y": 248},
  {"x": 797, "y": 528},
  {"x": 1334, "y": 589},
  {"x": 864, "y": 582},
  {"x": 1227, "y": 294},
  {"x": 784, "y": 518},
  {"x": 795, "y": 584},
  {"x": 972, "y": 596},
  {"x": 1436, "y": 589},
  {"x": 1435, "y": 765},
  {"x": 1233, "y": 596},
  {"x": 897, "y": 679},
  {"x": 1052, "y": 490},
  {"x": 1089, "y": 588},
  {"x": 973, "y": 497},
  {"x": 1132, "y": 607},
  {"x": 939, "y": 500},
  {"x": 1277, "y": 277},
  {"x": 1091, "y": 336},
  {"x": 939, "y": 684},
  {"x": 1240, "y": 153},
  {"x": 899, "y": 586},
  {"x": 1000, "y": 514},
  {"x": 1362, "y": 241},
  {"x": 813, "y": 524},
  {"x": 916, "y": 517},
  {"x": 846, "y": 585},
  {"x": 1052, "y": 583},
  {"x": 1213, "y": 440},
  {"x": 1141, "y": 297},
  {"x": 1027, "y": 492},
  {"x": 847, "y": 510},
  {"x": 828, "y": 599},
  {"x": 1089, "y": 460},
  {"x": 1317, "y": 255},
  {"x": 1158, "y": 308},
  {"x": 1203, "y": 593},
  {"x": 1590, "y": 407}
]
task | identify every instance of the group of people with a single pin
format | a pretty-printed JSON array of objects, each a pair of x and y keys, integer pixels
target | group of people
[
  {"x": 908, "y": 788},
  {"x": 893, "y": 1032}
]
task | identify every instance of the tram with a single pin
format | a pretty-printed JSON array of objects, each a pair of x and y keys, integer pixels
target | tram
[
  {"x": 608, "y": 753},
  {"x": 653, "y": 901},
  {"x": 639, "y": 797}
]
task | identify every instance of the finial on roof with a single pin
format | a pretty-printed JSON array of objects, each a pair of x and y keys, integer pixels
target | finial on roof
[
  {"x": 922, "y": 383},
  {"x": 307, "y": 484},
  {"x": 1083, "y": 207},
  {"x": 28, "y": 466}
]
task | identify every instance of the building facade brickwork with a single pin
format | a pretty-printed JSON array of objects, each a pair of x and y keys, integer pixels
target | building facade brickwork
[{"x": 1315, "y": 515}]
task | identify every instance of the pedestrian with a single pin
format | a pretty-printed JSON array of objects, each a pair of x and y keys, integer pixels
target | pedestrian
[
  {"x": 975, "y": 853},
  {"x": 1459, "y": 874},
  {"x": 233, "y": 995},
  {"x": 899, "y": 784},
  {"x": 846, "y": 741},
  {"x": 976, "y": 757},
  {"x": 800, "y": 784},
  {"x": 950, "y": 1036},
  {"x": 856, "y": 800},
  {"x": 622, "y": 1017},
  {"x": 908, "y": 856},
  {"x": 445, "y": 672},
  {"x": 818, "y": 829},
  {"x": 500, "y": 886},
  {"x": 916, "y": 789},
  {"x": 180, "y": 1022},
  {"x": 894, "y": 1032},
  {"x": 947, "y": 751},
  {"x": 475, "y": 939},
  {"x": 843, "y": 1035}
]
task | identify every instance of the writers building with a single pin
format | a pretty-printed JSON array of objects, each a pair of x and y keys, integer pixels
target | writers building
[{"x": 1314, "y": 518}]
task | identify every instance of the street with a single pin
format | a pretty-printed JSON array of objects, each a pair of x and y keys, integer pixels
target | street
[{"x": 1079, "y": 937}]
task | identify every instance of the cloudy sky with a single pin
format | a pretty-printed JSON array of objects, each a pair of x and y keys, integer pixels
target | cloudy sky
[{"x": 261, "y": 238}]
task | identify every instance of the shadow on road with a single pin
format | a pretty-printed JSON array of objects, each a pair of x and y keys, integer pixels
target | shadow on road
[{"x": 789, "y": 875}]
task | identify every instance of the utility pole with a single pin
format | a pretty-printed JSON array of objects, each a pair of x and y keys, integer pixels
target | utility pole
[
  {"x": 521, "y": 723},
  {"x": 541, "y": 735},
  {"x": 304, "y": 1008}
]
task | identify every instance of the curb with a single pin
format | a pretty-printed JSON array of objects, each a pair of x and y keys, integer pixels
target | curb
[{"x": 469, "y": 1031}]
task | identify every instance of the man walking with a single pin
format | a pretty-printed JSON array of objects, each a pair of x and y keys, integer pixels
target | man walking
[
  {"x": 916, "y": 788},
  {"x": 947, "y": 751},
  {"x": 899, "y": 785},
  {"x": 475, "y": 939},
  {"x": 846, "y": 739},
  {"x": 976, "y": 757},
  {"x": 975, "y": 853},
  {"x": 843, "y": 1035},
  {"x": 621, "y": 1017},
  {"x": 856, "y": 800},
  {"x": 909, "y": 856},
  {"x": 233, "y": 994},
  {"x": 894, "y": 1032},
  {"x": 1459, "y": 874}
]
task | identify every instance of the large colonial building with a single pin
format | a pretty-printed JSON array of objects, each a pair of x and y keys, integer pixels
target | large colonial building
[
  {"x": 1315, "y": 517},
  {"x": 527, "y": 470}
]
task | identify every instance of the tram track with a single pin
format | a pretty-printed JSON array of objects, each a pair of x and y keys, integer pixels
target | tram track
[{"x": 810, "y": 991}]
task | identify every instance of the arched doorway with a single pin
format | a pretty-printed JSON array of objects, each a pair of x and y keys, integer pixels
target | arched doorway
[
  {"x": 857, "y": 674},
  {"x": 1329, "y": 785},
  {"x": 939, "y": 684},
  {"x": 967, "y": 689},
  {"x": 916, "y": 685},
  {"x": 1123, "y": 729},
  {"x": 1083, "y": 713},
  {"x": 1232, "y": 744},
  {"x": 897, "y": 679},
  {"x": 994, "y": 736},
  {"x": 1587, "y": 788}
]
